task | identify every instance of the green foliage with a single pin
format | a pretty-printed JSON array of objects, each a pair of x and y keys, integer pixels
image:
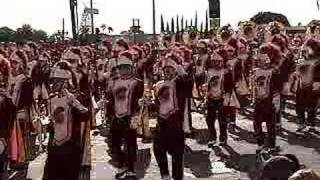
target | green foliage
[
  {"x": 177, "y": 21},
  {"x": 172, "y": 25},
  {"x": 6, "y": 34},
  {"x": 39, "y": 35},
  {"x": 182, "y": 24},
  {"x": 162, "y": 24},
  {"x": 267, "y": 17},
  {"x": 22, "y": 34}
]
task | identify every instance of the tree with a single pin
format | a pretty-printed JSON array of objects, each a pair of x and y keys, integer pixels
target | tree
[
  {"x": 191, "y": 24},
  {"x": 6, "y": 34},
  {"x": 207, "y": 22},
  {"x": 196, "y": 21},
  {"x": 26, "y": 30},
  {"x": 110, "y": 29},
  {"x": 103, "y": 27},
  {"x": 182, "y": 23},
  {"x": 39, "y": 35},
  {"x": 162, "y": 24},
  {"x": 177, "y": 21},
  {"x": 172, "y": 25},
  {"x": 267, "y": 17},
  {"x": 186, "y": 24},
  {"x": 168, "y": 27},
  {"x": 201, "y": 28}
]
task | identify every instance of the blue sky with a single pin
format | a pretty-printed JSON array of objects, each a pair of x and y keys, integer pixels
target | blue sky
[{"x": 48, "y": 14}]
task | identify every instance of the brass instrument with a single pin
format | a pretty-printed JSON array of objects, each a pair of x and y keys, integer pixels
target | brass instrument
[
  {"x": 40, "y": 123},
  {"x": 147, "y": 99}
]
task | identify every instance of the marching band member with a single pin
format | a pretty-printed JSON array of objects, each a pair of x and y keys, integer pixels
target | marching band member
[
  {"x": 219, "y": 84},
  {"x": 122, "y": 96},
  {"x": 21, "y": 92},
  {"x": 171, "y": 93},
  {"x": 265, "y": 86},
  {"x": 306, "y": 86},
  {"x": 233, "y": 64},
  {"x": 67, "y": 113},
  {"x": 7, "y": 115}
]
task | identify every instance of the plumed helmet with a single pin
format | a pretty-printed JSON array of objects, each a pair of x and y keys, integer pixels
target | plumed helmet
[
  {"x": 280, "y": 40},
  {"x": 225, "y": 32},
  {"x": 246, "y": 27},
  {"x": 125, "y": 58},
  {"x": 169, "y": 61},
  {"x": 275, "y": 27}
]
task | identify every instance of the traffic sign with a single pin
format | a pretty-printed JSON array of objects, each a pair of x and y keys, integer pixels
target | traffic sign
[{"x": 93, "y": 11}]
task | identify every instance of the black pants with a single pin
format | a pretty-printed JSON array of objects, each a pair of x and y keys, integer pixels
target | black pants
[
  {"x": 64, "y": 162},
  {"x": 265, "y": 112},
  {"x": 215, "y": 111},
  {"x": 169, "y": 138},
  {"x": 3, "y": 165},
  {"x": 306, "y": 102},
  {"x": 120, "y": 129},
  {"x": 301, "y": 113}
]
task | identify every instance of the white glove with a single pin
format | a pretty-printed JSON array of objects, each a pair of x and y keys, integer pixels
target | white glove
[{"x": 3, "y": 145}]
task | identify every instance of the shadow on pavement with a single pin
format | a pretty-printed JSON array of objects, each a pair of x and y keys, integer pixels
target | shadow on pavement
[
  {"x": 243, "y": 163},
  {"x": 309, "y": 139},
  {"x": 143, "y": 162},
  {"x": 201, "y": 136},
  {"x": 198, "y": 162},
  {"x": 242, "y": 134}
]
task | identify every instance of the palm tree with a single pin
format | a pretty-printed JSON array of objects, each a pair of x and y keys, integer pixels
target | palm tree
[
  {"x": 103, "y": 27},
  {"x": 26, "y": 30},
  {"x": 110, "y": 29}
]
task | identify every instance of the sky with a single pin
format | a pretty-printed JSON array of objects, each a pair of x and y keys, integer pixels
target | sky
[{"x": 48, "y": 14}]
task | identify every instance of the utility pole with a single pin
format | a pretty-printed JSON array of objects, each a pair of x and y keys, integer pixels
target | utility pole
[
  {"x": 92, "y": 21},
  {"x": 63, "y": 29},
  {"x": 73, "y": 5},
  {"x": 154, "y": 18}
]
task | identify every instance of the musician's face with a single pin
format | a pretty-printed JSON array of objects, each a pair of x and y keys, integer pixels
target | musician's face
[
  {"x": 85, "y": 57},
  {"x": 118, "y": 48},
  {"x": 16, "y": 65},
  {"x": 169, "y": 73},
  {"x": 230, "y": 52},
  {"x": 125, "y": 70}
]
